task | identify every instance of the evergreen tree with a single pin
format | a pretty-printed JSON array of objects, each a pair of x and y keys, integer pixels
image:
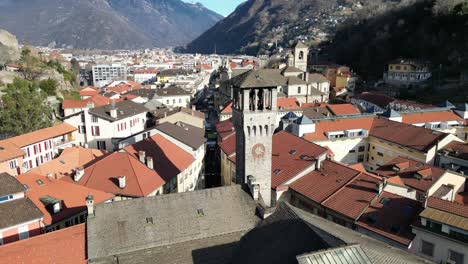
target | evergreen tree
[{"x": 23, "y": 109}]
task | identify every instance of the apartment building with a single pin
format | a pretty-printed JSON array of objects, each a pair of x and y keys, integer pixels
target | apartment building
[
  {"x": 145, "y": 75},
  {"x": 173, "y": 96},
  {"x": 106, "y": 73},
  {"x": 406, "y": 72}
]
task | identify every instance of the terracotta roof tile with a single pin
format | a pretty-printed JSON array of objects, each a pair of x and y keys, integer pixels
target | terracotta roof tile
[
  {"x": 228, "y": 146},
  {"x": 225, "y": 128},
  {"x": 289, "y": 103},
  {"x": 9, "y": 151},
  {"x": 103, "y": 175},
  {"x": 169, "y": 160},
  {"x": 70, "y": 104},
  {"x": 380, "y": 217},
  {"x": 70, "y": 159},
  {"x": 89, "y": 91},
  {"x": 320, "y": 184},
  {"x": 426, "y": 117},
  {"x": 447, "y": 206},
  {"x": 42, "y": 134},
  {"x": 291, "y": 155},
  {"x": 343, "y": 109},
  {"x": 323, "y": 126},
  {"x": 63, "y": 246},
  {"x": 72, "y": 196},
  {"x": 414, "y": 174}
]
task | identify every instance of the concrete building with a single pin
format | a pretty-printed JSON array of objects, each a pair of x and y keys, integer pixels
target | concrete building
[
  {"x": 406, "y": 72},
  {"x": 173, "y": 96},
  {"x": 106, "y": 73},
  {"x": 145, "y": 75}
]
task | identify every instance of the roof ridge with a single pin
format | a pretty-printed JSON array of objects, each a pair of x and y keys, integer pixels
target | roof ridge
[{"x": 134, "y": 172}]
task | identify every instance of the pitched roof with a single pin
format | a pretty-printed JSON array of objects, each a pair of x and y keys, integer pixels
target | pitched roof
[
  {"x": 414, "y": 174},
  {"x": 31, "y": 180},
  {"x": 380, "y": 100},
  {"x": 9, "y": 185},
  {"x": 172, "y": 91},
  {"x": 191, "y": 136},
  {"x": 447, "y": 206},
  {"x": 9, "y": 151},
  {"x": 354, "y": 197},
  {"x": 70, "y": 159},
  {"x": 287, "y": 103},
  {"x": 291, "y": 155},
  {"x": 343, "y": 109},
  {"x": 67, "y": 245},
  {"x": 457, "y": 149},
  {"x": 41, "y": 135},
  {"x": 380, "y": 217},
  {"x": 228, "y": 145},
  {"x": 72, "y": 197},
  {"x": 103, "y": 175},
  {"x": 352, "y": 254},
  {"x": 420, "y": 139},
  {"x": 225, "y": 128},
  {"x": 317, "y": 77},
  {"x": 292, "y": 69},
  {"x": 427, "y": 117},
  {"x": 299, "y": 45},
  {"x": 167, "y": 221},
  {"x": 259, "y": 78},
  {"x": 89, "y": 91},
  {"x": 168, "y": 159},
  {"x": 339, "y": 124},
  {"x": 125, "y": 109},
  {"x": 71, "y": 104},
  {"x": 18, "y": 211},
  {"x": 320, "y": 184}
]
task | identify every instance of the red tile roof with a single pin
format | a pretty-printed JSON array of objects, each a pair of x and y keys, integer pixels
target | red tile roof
[
  {"x": 447, "y": 206},
  {"x": 72, "y": 195},
  {"x": 228, "y": 145},
  {"x": 227, "y": 108},
  {"x": 70, "y": 159},
  {"x": 291, "y": 156},
  {"x": 41, "y": 135},
  {"x": 169, "y": 160},
  {"x": 354, "y": 197},
  {"x": 33, "y": 179},
  {"x": 70, "y": 104},
  {"x": 89, "y": 91},
  {"x": 146, "y": 71},
  {"x": 457, "y": 149},
  {"x": 343, "y": 109},
  {"x": 320, "y": 184},
  {"x": 426, "y": 117},
  {"x": 9, "y": 151},
  {"x": 329, "y": 125},
  {"x": 225, "y": 129},
  {"x": 381, "y": 218},
  {"x": 417, "y": 138},
  {"x": 103, "y": 175},
  {"x": 380, "y": 100},
  {"x": 407, "y": 173},
  {"x": 462, "y": 198},
  {"x": 67, "y": 245},
  {"x": 287, "y": 103}
]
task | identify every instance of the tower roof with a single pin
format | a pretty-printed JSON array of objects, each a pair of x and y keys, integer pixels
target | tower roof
[
  {"x": 259, "y": 78},
  {"x": 300, "y": 45},
  {"x": 289, "y": 116},
  {"x": 304, "y": 120}
]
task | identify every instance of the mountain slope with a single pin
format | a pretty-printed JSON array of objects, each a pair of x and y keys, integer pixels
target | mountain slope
[{"x": 105, "y": 24}]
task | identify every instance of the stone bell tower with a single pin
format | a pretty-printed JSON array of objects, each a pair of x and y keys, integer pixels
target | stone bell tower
[
  {"x": 301, "y": 53},
  {"x": 254, "y": 115}
]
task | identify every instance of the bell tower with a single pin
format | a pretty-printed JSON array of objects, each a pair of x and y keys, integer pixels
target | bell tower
[
  {"x": 254, "y": 117},
  {"x": 301, "y": 53}
]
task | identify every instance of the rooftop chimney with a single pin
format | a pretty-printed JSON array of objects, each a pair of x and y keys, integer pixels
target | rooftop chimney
[
  {"x": 122, "y": 182},
  {"x": 90, "y": 205},
  {"x": 79, "y": 173},
  {"x": 149, "y": 163},
  {"x": 113, "y": 112},
  {"x": 142, "y": 156}
]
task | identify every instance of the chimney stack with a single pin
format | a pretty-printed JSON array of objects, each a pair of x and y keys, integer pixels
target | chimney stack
[
  {"x": 149, "y": 163},
  {"x": 79, "y": 173},
  {"x": 113, "y": 112},
  {"x": 122, "y": 182},
  {"x": 142, "y": 156},
  {"x": 90, "y": 205}
]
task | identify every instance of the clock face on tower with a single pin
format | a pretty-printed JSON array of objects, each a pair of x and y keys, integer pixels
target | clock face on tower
[{"x": 258, "y": 151}]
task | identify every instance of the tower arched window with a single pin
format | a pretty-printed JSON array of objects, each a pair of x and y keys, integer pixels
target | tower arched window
[
  {"x": 266, "y": 130},
  {"x": 254, "y": 128},
  {"x": 301, "y": 55},
  {"x": 248, "y": 130},
  {"x": 260, "y": 130}
]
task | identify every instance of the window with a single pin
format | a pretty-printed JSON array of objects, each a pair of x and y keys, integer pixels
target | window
[
  {"x": 6, "y": 198},
  {"x": 380, "y": 154},
  {"x": 101, "y": 145},
  {"x": 352, "y": 151},
  {"x": 360, "y": 158},
  {"x": 180, "y": 101},
  {"x": 23, "y": 232},
  {"x": 13, "y": 164},
  {"x": 361, "y": 148},
  {"x": 95, "y": 131},
  {"x": 82, "y": 129},
  {"x": 94, "y": 119},
  {"x": 458, "y": 258},
  {"x": 427, "y": 248},
  {"x": 299, "y": 90}
]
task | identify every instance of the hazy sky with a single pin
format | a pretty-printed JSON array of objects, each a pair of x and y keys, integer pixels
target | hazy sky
[{"x": 223, "y": 7}]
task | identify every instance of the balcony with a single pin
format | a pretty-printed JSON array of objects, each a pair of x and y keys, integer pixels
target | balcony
[{"x": 62, "y": 143}]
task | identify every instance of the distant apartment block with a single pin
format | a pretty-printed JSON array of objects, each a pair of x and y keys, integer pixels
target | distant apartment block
[
  {"x": 406, "y": 72},
  {"x": 106, "y": 73}
]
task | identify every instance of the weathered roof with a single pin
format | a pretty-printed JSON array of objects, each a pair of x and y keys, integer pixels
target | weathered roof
[
  {"x": 67, "y": 245},
  {"x": 172, "y": 91},
  {"x": 9, "y": 151},
  {"x": 352, "y": 254},
  {"x": 300, "y": 45},
  {"x": 192, "y": 136},
  {"x": 10, "y": 185},
  {"x": 161, "y": 222},
  {"x": 125, "y": 109},
  {"x": 259, "y": 78},
  {"x": 291, "y": 69},
  {"x": 42, "y": 134},
  {"x": 17, "y": 212}
]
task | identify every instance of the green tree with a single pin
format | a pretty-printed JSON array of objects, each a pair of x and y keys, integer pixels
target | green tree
[
  {"x": 31, "y": 67},
  {"x": 24, "y": 109},
  {"x": 49, "y": 86}
]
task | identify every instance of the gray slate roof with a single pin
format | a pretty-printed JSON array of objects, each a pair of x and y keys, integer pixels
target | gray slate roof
[
  {"x": 291, "y": 69},
  {"x": 18, "y": 211},
  {"x": 189, "y": 135},
  {"x": 172, "y": 91},
  {"x": 125, "y": 109},
  {"x": 293, "y": 80},
  {"x": 147, "y": 93},
  {"x": 259, "y": 78},
  {"x": 162, "y": 222},
  {"x": 10, "y": 185}
]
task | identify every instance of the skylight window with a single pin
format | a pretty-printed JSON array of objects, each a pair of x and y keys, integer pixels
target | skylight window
[
  {"x": 277, "y": 171},
  {"x": 292, "y": 151},
  {"x": 39, "y": 182}
]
